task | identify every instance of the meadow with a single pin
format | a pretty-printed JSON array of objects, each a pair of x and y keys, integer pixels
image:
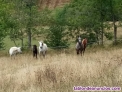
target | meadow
[{"x": 60, "y": 72}]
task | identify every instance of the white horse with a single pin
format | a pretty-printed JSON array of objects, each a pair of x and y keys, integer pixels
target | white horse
[
  {"x": 42, "y": 48},
  {"x": 14, "y": 50}
]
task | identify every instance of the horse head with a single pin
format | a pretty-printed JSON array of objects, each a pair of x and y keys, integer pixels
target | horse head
[
  {"x": 41, "y": 44},
  {"x": 42, "y": 48}
]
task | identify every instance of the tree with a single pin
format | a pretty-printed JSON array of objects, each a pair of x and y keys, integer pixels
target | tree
[
  {"x": 84, "y": 16},
  {"x": 26, "y": 18},
  {"x": 89, "y": 16},
  {"x": 17, "y": 22},
  {"x": 5, "y": 7},
  {"x": 115, "y": 14},
  {"x": 57, "y": 37},
  {"x": 31, "y": 8}
]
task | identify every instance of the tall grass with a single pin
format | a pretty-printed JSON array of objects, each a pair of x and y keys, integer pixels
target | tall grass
[{"x": 61, "y": 72}]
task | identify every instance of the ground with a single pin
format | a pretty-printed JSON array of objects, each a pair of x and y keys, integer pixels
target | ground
[{"x": 61, "y": 72}]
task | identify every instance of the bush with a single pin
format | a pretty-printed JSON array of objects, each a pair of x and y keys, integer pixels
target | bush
[{"x": 109, "y": 35}]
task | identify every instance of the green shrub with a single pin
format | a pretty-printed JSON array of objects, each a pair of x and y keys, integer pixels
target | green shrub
[{"x": 57, "y": 37}]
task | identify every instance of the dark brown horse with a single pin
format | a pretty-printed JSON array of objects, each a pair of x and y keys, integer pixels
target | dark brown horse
[
  {"x": 81, "y": 46},
  {"x": 35, "y": 51}
]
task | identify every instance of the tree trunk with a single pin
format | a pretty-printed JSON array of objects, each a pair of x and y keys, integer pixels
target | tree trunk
[
  {"x": 29, "y": 24},
  {"x": 102, "y": 28},
  {"x": 29, "y": 38},
  {"x": 115, "y": 33},
  {"x": 22, "y": 42},
  {"x": 114, "y": 21},
  {"x": 102, "y": 32},
  {"x": 14, "y": 42}
]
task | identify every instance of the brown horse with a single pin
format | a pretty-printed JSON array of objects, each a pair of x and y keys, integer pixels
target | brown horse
[
  {"x": 81, "y": 46},
  {"x": 84, "y": 43},
  {"x": 35, "y": 51}
]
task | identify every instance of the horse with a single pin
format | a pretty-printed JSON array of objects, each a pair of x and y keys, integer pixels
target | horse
[
  {"x": 84, "y": 43},
  {"x": 42, "y": 48},
  {"x": 35, "y": 51},
  {"x": 81, "y": 46},
  {"x": 14, "y": 51}
]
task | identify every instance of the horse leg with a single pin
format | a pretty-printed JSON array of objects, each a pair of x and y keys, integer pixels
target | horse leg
[
  {"x": 84, "y": 50},
  {"x": 81, "y": 52},
  {"x": 77, "y": 52},
  {"x": 43, "y": 53},
  {"x": 33, "y": 54},
  {"x": 36, "y": 55},
  {"x": 40, "y": 54}
]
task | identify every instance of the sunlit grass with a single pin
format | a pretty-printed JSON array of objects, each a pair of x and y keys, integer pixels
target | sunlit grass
[{"x": 60, "y": 72}]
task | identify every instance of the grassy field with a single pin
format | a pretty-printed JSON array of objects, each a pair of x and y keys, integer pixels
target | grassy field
[{"x": 61, "y": 72}]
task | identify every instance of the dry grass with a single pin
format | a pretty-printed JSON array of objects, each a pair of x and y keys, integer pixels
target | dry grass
[{"x": 60, "y": 72}]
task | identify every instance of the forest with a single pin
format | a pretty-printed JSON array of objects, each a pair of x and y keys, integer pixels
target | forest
[{"x": 59, "y": 22}]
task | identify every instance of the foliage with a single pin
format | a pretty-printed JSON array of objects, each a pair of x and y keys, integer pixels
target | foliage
[
  {"x": 82, "y": 15},
  {"x": 91, "y": 16},
  {"x": 20, "y": 19},
  {"x": 4, "y": 20},
  {"x": 56, "y": 37},
  {"x": 109, "y": 35},
  {"x": 25, "y": 18}
]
